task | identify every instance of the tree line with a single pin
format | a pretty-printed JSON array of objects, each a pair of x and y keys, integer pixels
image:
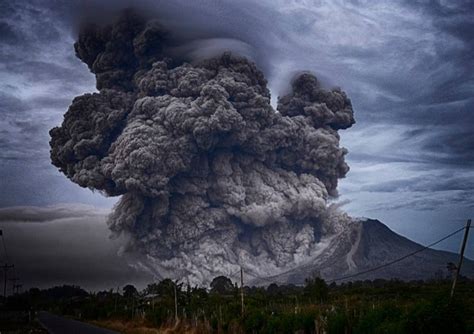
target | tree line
[{"x": 380, "y": 306}]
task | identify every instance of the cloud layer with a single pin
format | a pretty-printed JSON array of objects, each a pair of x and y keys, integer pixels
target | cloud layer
[
  {"x": 48, "y": 214},
  {"x": 405, "y": 64}
]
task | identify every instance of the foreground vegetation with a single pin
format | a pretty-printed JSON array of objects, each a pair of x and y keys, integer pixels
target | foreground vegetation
[{"x": 362, "y": 307}]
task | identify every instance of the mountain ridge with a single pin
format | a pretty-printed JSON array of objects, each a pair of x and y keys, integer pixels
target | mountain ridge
[{"x": 365, "y": 244}]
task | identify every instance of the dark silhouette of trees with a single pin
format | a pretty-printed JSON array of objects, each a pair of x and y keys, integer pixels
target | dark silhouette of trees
[
  {"x": 129, "y": 291},
  {"x": 379, "y": 306},
  {"x": 222, "y": 285},
  {"x": 317, "y": 289}
]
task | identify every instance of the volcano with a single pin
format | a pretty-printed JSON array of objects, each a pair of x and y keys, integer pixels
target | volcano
[{"x": 365, "y": 244}]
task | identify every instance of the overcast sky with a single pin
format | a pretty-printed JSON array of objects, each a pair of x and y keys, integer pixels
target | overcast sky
[{"x": 406, "y": 65}]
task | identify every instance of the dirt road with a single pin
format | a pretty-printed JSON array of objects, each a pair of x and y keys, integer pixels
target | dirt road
[{"x": 59, "y": 325}]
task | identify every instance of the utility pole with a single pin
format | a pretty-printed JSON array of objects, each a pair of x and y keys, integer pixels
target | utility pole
[
  {"x": 461, "y": 258},
  {"x": 175, "y": 303},
  {"x": 13, "y": 280},
  {"x": 5, "y": 268},
  {"x": 242, "y": 289}
]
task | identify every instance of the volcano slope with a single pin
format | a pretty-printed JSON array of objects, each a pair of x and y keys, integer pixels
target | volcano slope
[{"x": 365, "y": 244}]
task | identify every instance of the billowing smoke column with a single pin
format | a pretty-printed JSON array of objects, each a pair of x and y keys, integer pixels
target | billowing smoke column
[{"x": 210, "y": 175}]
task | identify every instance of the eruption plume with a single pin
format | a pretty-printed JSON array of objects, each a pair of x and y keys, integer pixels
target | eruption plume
[{"x": 210, "y": 175}]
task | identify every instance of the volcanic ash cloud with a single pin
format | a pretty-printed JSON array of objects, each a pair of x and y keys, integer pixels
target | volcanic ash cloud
[{"x": 210, "y": 175}]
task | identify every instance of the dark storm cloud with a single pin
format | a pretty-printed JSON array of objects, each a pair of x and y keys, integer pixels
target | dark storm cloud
[
  {"x": 8, "y": 34},
  {"x": 10, "y": 104},
  {"x": 462, "y": 200},
  {"x": 452, "y": 148},
  {"x": 421, "y": 73},
  {"x": 415, "y": 203},
  {"x": 442, "y": 182},
  {"x": 22, "y": 134},
  {"x": 42, "y": 71},
  {"x": 446, "y": 147},
  {"x": 437, "y": 96},
  {"x": 50, "y": 16},
  {"x": 406, "y": 65},
  {"x": 431, "y": 88},
  {"x": 411, "y": 69},
  {"x": 50, "y": 249},
  {"x": 21, "y": 186},
  {"x": 36, "y": 58}
]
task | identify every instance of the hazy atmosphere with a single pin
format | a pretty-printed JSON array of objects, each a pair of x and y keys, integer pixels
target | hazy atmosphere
[{"x": 405, "y": 65}]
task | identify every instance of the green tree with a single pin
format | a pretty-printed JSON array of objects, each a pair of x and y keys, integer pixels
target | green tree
[
  {"x": 316, "y": 289},
  {"x": 162, "y": 288},
  {"x": 222, "y": 285},
  {"x": 129, "y": 291}
]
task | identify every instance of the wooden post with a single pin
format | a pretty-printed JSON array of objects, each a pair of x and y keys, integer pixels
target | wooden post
[
  {"x": 461, "y": 258},
  {"x": 242, "y": 290}
]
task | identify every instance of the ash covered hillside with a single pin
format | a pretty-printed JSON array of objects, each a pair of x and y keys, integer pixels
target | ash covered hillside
[
  {"x": 365, "y": 244},
  {"x": 210, "y": 176}
]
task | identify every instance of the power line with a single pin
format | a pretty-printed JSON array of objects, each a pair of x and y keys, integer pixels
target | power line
[
  {"x": 269, "y": 279},
  {"x": 289, "y": 271},
  {"x": 399, "y": 259},
  {"x": 234, "y": 274}
]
